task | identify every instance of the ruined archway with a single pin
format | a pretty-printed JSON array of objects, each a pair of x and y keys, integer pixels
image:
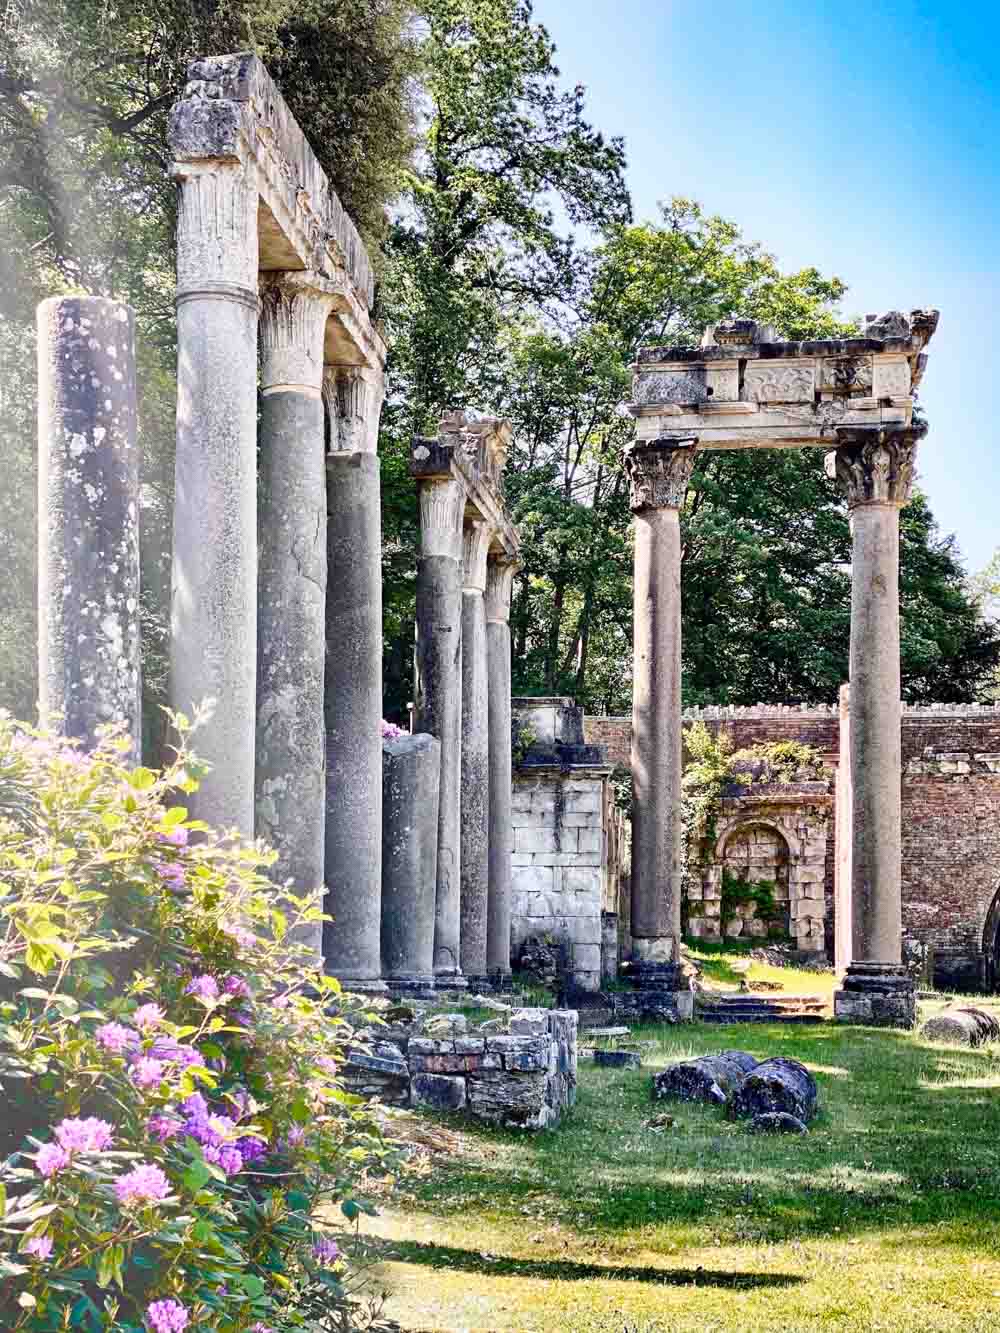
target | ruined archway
[
  {"x": 756, "y": 853},
  {"x": 991, "y": 945}
]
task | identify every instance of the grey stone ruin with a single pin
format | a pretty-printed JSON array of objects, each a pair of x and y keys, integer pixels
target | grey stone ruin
[
  {"x": 743, "y": 389},
  {"x": 88, "y": 490},
  {"x": 411, "y": 776},
  {"x": 469, "y": 551},
  {"x": 288, "y": 647}
]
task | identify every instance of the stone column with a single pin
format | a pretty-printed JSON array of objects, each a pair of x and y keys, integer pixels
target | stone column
[
  {"x": 438, "y": 698},
  {"x": 353, "y": 687},
  {"x": 291, "y": 607},
  {"x": 214, "y": 599},
  {"x": 659, "y": 471},
  {"x": 875, "y": 471},
  {"x": 411, "y": 776},
  {"x": 500, "y": 571},
  {"x": 475, "y": 752},
  {"x": 88, "y": 517}
]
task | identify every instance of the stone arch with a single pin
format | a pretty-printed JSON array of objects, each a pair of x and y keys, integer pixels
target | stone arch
[
  {"x": 758, "y": 849},
  {"x": 991, "y": 944}
]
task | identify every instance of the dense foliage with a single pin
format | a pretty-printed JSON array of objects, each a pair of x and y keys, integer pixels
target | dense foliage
[{"x": 178, "y": 1148}]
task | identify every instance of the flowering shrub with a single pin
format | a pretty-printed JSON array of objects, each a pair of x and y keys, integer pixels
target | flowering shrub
[
  {"x": 175, "y": 1130},
  {"x": 390, "y": 732}
]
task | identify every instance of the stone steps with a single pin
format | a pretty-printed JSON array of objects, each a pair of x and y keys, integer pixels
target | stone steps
[{"x": 750, "y": 1008}]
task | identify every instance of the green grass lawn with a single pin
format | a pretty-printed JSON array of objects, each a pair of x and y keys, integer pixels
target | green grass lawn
[
  {"x": 715, "y": 961},
  {"x": 886, "y": 1217}
]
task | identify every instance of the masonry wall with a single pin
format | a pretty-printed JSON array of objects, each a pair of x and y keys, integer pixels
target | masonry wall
[{"x": 951, "y": 817}]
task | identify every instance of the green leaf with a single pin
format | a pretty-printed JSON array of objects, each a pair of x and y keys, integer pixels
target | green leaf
[
  {"x": 350, "y": 1209},
  {"x": 142, "y": 778},
  {"x": 175, "y": 815},
  {"x": 197, "y": 1175}
]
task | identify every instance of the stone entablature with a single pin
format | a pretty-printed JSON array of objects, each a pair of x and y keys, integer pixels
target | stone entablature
[
  {"x": 742, "y": 388},
  {"x": 471, "y": 451}
]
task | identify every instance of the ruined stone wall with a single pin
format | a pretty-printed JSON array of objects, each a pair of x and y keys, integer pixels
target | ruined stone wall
[{"x": 951, "y": 815}]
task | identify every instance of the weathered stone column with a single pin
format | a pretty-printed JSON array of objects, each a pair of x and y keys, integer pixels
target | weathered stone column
[
  {"x": 659, "y": 471},
  {"x": 875, "y": 470},
  {"x": 88, "y": 517},
  {"x": 214, "y": 599},
  {"x": 475, "y": 752},
  {"x": 353, "y": 687},
  {"x": 291, "y": 609},
  {"x": 438, "y": 698},
  {"x": 411, "y": 777},
  {"x": 500, "y": 571}
]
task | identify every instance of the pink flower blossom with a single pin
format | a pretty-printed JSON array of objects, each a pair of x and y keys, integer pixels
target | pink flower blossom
[
  {"x": 327, "y": 1064},
  {"x": 326, "y": 1251},
  {"x": 226, "y": 1155},
  {"x": 164, "y": 1127},
  {"x": 50, "y": 1158},
  {"x": 39, "y": 1246},
  {"x": 195, "y": 1105},
  {"x": 390, "y": 732},
  {"x": 246, "y": 939},
  {"x": 167, "y": 1317},
  {"x": 177, "y": 837},
  {"x": 116, "y": 1037},
  {"x": 91, "y": 1135},
  {"x": 234, "y": 985},
  {"x": 143, "y": 1184},
  {"x": 205, "y": 987},
  {"x": 172, "y": 1052},
  {"x": 171, "y": 872},
  {"x": 148, "y": 1016},
  {"x": 147, "y": 1072}
]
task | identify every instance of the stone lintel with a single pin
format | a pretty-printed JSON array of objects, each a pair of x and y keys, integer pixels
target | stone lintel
[{"x": 564, "y": 764}]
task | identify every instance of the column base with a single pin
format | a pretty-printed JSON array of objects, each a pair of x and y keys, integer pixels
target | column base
[
  {"x": 412, "y": 983},
  {"x": 876, "y": 995},
  {"x": 657, "y": 949},
  {"x": 661, "y": 992},
  {"x": 362, "y": 985},
  {"x": 450, "y": 981}
]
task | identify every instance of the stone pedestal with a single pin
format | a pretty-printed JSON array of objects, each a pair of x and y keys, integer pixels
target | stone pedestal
[
  {"x": 438, "y": 699},
  {"x": 214, "y": 599},
  {"x": 88, "y": 517},
  {"x": 659, "y": 471},
  {"x": 499, "y": 578},
  {"x": 291, "y": 611},
  {"x": 475, "y": 754},
  {"x": 411, "y": 775},
  {"x": 353, "y": 719},
  {"x": 875, "y": 469}
]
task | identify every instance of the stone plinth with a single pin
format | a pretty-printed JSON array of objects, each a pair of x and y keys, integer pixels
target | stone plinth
[
  {"x": 88, "y": 508},
  {"x": 876, "y": 995}
]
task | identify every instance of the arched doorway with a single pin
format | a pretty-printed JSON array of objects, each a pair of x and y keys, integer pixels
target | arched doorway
[
  {"x": 756, "y": 853},
  {"x": 991, "y": 945}
]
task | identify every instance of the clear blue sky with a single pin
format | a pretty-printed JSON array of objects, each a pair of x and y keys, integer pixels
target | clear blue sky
[{"x": 862, "y": 138}]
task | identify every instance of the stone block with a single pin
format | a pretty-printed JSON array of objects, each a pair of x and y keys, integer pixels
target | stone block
[
  {"x": 520, "y": 1052},
  {"x": 529, "y": 1022},
  {"x": 580, "y": 930},
  {"x": 733, "y": 928},
  {"x": 535, "y": 840},
  {"x": 531, "y": 879},
  {"x": 587, "y": 958},
  {"x": 583, "y": 801},
  {"x": 431, "y": 1046},
  {"x": 437, "y": 1093},
  {"x": 470, "y": 1045},
  {"x": 510, "y": 1098},
  {"x": 589, "y": 840},
  {"x": 452, "y": 1063},
  {"x": 582, "y": 880}
]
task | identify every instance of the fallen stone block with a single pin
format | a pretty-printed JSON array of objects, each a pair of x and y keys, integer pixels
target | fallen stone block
[
  {"x": 781, "y": 1085},
  {"x": 712, "y": 1078},
  {"x": 963, "y": 1025},
  {"x": 777, "y": 1122},
  {"x": 618, "y": 1059}
]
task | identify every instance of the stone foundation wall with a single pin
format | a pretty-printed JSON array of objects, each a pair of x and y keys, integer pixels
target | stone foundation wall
[{"x": 524, "y": 1078}]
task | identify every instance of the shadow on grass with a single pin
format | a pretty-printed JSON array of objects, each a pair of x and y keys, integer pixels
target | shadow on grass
[{"x": 563, "y": 1270}]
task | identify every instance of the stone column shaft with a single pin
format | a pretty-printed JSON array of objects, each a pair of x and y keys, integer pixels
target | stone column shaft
[
  {"x": 499, "y": 578},
  {"x": 411, "y": 776},
  {"x": 659, "y": 474},
  {"x": 475, "y": 752},
  {"x": 438, "y": 698},
  {"x": 291, "y": 626},
  {"x": 88, "y": 517},
  {"x": 353, "y": 702},
  {"x": 214, "y": 599}
]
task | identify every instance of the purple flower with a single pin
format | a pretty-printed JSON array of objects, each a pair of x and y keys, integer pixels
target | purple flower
[
  {"x": 167, "y": 1317},
  {"x": 234, "y": 985},
  {"x": 39, "y": 1246},
  {"x": 91, "y": 1135},
  {"x": 164, "y": 1127},
  {"x": 251, "y": 1149},
  {"x": 147, "y": 1072},
  {"x": 246, "y": 939},
  {"x": 171, "y": 872},
  {"x": 143, "y": 1184},
  {"x": 177, "y": 837},
  {"x": 50, "y": 1158},
  {"x": 116, "y": 1037},
  {"x": 226, "y": 1155},
  {"x": 328, "y": 1065},
  {"x": 195, "y": 1105},
  {"x": 173, "y": 1052},
  {"x": 390, "y": 731},
  {"x": 205, "y": 987},
  {"x": 326, "y": 1251},
  {"x": 148, "y": 1016}
]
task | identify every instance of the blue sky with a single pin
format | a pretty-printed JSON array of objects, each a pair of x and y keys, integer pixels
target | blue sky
[{"x": 862, "y": 138}]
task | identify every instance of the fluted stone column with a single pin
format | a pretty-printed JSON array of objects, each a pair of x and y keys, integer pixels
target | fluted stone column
[
  {"x": 875, "y": 471},
  {"x": 291, "y": 609},
  {"x": 438, "y": 698},
  {"x": 214, "y": 596},
  {"x": 353, "y": 685},
  {"x": 475, "y": 751},
  {"x": 500, "y": 571},
  {"x": 88, "y": 517},
  {"x": 659, "y": 472}
]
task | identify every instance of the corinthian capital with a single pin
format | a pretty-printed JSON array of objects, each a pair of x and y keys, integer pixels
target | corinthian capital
[
  {"x": 875, "y": 467},
  {"x": 442, "y": 508},
  {"x": 476, "y": 547},
  {"x": 293, "y": 312},
  {"x": 353, "y": 397},
  {"x": 500, "y": 571},
  {"x": 659, "y": 472}
]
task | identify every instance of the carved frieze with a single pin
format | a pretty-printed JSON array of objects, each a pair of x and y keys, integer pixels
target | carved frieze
[
  {"x": 892, "y": 379},
  {"x": 680, "y": 387},
  {"x": 847, "y": 374},
  {"x": 659, "y": 472},
  {"x": 780, "y": 382},
  {"x": 874, "y": 467}
]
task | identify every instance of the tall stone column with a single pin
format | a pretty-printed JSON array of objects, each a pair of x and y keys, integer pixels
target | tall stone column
[
  {"x": 353, "y": 685},
  {"x": 88, "y": 517},
  {"x": 214, "y": 595},
  {"x": 475, "y": 751},
  {"x": 659, "y": 471},
  {"x": 438, "y": 698},
  {"x": 875, "y": 471},
  {"x": 500, "y": 571},
  {"x": 291, "y": 608}
]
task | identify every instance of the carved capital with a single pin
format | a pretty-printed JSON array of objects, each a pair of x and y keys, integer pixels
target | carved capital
[
  {"x": 500, "y": 571},
  {"x": 353, "y": 397},
  {"x": 293, "y": 312},
  {"x": 659, "y": 472},
  {"x": 217, "y": 247},
  {"x": 875, "y": 467},
  {"x": 442, "y": 508},
  {"x": 476, "y": 538}
]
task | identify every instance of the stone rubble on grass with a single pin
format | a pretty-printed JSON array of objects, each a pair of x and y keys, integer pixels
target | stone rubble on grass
[
  {"x": 711, "y": 1078},
  {"x": 777, "y": 1122},
  {"x": 618, "y": 1059},
  {"x": 776, "y": 1085},
  {"x": 964, "y": 1025}
]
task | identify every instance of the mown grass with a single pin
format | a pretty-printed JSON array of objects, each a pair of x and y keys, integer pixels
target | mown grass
[
  {"x": 715, "y": 962},
  {"x": 887, "y": 1216}
]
